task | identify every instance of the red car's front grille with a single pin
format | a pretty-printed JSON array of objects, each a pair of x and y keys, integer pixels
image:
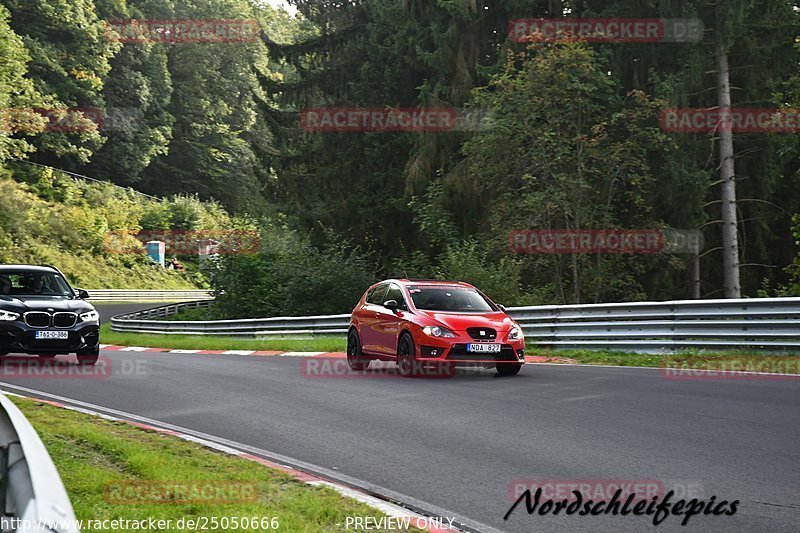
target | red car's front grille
[
  {"x": 482, "y": 334},
  {"x": 459, "y": 353}
]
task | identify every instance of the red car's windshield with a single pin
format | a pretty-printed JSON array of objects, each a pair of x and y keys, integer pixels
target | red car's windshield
[{"x": 454, "y": 299}]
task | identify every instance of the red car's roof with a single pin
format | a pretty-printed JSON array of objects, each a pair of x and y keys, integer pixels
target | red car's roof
[{"x": 433, "y": 282}]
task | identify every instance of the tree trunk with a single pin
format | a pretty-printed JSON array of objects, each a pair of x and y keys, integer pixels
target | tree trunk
[
  {"x": 730, "y": 230},
  {"x": 694, "y": 275}
]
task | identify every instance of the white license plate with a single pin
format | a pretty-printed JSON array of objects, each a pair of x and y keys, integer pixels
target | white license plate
[
  {"x": 483, "y": 348},
  {"x": 60, "y": 335}
]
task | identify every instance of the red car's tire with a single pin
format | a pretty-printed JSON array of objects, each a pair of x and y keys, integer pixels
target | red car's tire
[
  {"x": 406, "y": 357},
  {"x": 355, "y": 357},
  {"x": 508, "y": 369}
]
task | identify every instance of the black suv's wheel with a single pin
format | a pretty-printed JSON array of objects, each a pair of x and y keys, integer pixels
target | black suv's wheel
[
  {"x": 355, "y": 357},
  {"x": 406, "y": 357},
  {"x": 508, "y": 369},
  {"x": 89, "y": 357}
]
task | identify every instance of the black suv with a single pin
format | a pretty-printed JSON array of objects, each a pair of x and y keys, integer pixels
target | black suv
[{"x": 41, "y": 314}]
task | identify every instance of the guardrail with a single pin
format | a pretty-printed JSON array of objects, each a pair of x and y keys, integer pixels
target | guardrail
[
  {"x": 33, "y": 490},
  {"x": 649, "y": 327},
  {"x": 658, "y": 327},
  {"x": 124, "y": 295},
  {"x": 141, "y": 322}
]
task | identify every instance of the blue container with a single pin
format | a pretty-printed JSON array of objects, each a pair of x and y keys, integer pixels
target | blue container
[{"x": 156, "y": 250}]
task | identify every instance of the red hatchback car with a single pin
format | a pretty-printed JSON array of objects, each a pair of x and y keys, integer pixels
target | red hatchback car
[{"x": 426, "y": 323}]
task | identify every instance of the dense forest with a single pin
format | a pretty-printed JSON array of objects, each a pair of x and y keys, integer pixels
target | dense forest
[{"x": 568, "y": 135}]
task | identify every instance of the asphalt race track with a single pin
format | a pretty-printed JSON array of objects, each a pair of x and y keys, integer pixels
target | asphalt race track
[{"x": 459, "y": 443}]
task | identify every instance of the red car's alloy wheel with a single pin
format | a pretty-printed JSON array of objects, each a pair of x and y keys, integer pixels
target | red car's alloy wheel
[
  {"x": 355, "y": 359},
  {"x": 406, "y": 360}
]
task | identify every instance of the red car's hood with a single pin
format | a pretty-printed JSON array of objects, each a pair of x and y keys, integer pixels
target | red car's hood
[{"x": 460, "y": 322}]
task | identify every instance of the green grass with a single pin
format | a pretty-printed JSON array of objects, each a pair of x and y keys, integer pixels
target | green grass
[
  {"x": 330, "y": 343},
  {"x": 689, "y": 359},
  {"x": 97, "y": 457}
]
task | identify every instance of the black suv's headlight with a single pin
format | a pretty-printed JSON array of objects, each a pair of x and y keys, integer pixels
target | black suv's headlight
[
  {"x": 8, "y": 316},
  {"x": 91, "y": 316}
]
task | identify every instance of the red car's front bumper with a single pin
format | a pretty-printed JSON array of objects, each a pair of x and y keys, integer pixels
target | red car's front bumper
[{"x": 454, "y": 350}]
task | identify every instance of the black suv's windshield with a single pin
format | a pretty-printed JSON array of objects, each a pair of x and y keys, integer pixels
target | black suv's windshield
[
  {"x": 27, "y": 283},
  {"x": 453, "y": 299}
]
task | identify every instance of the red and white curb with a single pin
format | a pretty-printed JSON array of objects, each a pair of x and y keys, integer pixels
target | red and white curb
[
  {"x": 260, "y": 353},
  {"x": 273, "y": 353},
  {"x": 401, "y": 514}
]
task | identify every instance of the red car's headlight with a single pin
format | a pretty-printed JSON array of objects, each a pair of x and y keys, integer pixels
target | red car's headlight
[
  {"x": 436, "y": 331},
  {"x": 515, "y": 334}
]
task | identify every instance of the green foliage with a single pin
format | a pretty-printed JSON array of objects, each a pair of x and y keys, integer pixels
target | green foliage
[
  {"x": 499, "y": 278},
  {"x": 573, "y": 142},
  {"x": 291, "y": 277},
  {"x": 581, "y": 158},
  {"x": 66, "y": 223},
  {"x": 792, "y": 288},
  {"x": 69, "y": 59},
  {"x": 16, "y": 90}
]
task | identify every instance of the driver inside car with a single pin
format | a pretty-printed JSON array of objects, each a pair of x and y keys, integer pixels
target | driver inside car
[{"x": 36, "y": 285}]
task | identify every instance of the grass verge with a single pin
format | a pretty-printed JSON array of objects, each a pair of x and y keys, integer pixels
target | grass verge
[
  {"x": 332, "y": 343},
  {"x": 728, "y": 362},
  {"x": 102, "y": 462}
]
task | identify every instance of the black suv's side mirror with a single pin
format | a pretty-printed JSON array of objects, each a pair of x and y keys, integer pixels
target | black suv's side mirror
[
  {"x": 501, "y": 307},
  {"x": 391, "y": 305},
  {"x": 82, "y": 294}
]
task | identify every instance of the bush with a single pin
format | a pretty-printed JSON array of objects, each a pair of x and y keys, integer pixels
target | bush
[
  {"x": 53, "y": 219},
  {"x": 497, "y": 278},
  {"x": 290, "y": 277}
]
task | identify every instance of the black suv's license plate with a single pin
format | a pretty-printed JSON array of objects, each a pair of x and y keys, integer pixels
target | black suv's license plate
[{"x": 52, "y": 335}]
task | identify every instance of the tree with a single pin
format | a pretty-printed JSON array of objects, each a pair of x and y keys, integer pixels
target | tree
[
  {"x": 69, "y": 58},
  {"x": 567, "y": 152},
  {"x": 16, "y": 91},
  {"x": 137, "y": 92}
]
